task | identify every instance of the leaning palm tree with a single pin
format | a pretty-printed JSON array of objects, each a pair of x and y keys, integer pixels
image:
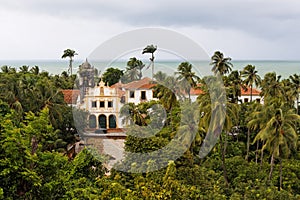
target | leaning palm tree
[
  {"x": 69, "y": 53},
  {"x": 251, "y": 78},
  {"x": 150, "y": 49},
  {"x": 220, "y": 64},
  {"x": 279, "y": 132}
]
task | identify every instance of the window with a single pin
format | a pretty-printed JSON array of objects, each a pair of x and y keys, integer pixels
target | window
[
  {"x": 102, "y": 104},
  {"x": 110, "y": 104},
  {"x": 101, "y": 91},
  {"x": 143, "y": 95},
  {"x": 246, "y": 100},
  {"x": 258, "y": 100},
  {"x": 94, "y": 104},
  {"x": 131, "y": 94}
]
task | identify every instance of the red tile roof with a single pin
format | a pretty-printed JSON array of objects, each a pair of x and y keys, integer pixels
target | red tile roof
[
  {"x": 137, "y": 84},
  {"x": 70, "y": 96},
  {"x": 147, "y": 86},
  {"x": 255, "y": 92}
]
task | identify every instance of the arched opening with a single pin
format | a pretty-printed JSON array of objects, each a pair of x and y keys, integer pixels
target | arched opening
[
  {"x": 112, "y": 121},
  {"x": 102, "y": 121},
  {"x": 92, "y": 121}
]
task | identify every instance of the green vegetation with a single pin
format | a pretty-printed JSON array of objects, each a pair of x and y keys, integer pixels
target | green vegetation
[{"x": 256, "y": 157}]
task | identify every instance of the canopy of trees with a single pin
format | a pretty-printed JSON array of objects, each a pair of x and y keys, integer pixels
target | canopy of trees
[{"x": 256, "y": 157}]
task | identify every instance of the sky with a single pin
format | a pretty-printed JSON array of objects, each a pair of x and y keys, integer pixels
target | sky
[{"x": 241, "y": 29}]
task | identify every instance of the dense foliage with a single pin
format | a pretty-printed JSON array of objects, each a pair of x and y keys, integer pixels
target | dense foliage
[{"x": 256, "y": 157}]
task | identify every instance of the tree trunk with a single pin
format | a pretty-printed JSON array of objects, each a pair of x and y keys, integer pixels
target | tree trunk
[
  {"x": 248, "y": 144},
  {"x": 262, "y": 156},
  {"x": 223, "y": 151},
  {"x": 272, "y": 166},
  {"x": 250, "y": 93},
  {"x": 256, "y": 152},
  {"x": 280, "y": 179},
  {"x": 70, "y": 65},
  {"x": 297, "y": 104}
]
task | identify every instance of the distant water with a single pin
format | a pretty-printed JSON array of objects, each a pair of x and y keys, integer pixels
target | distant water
[{"x": 283, "y": 68}]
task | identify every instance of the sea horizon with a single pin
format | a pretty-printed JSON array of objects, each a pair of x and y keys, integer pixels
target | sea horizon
[{"x": 285, "y": 68}]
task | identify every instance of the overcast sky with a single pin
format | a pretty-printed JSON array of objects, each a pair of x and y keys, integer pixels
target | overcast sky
[{"x": 242, "y": 29}]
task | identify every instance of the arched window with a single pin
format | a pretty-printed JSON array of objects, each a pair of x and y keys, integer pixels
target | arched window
[
  {"x": 102, "y": 121},
  {"x": 92, "y": 121},
  {"x": 112, "y": 121}
]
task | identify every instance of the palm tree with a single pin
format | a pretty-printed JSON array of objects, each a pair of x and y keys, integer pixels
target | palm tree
[
  {"x": 69, "y": 53},
  {"x": 272, "y": 86},
  {"x": 5, "y": 69},
  {"x": 251, "y": 78},
  {"x": 295, "y": 79},
  {"x": 220, "y": 64},
  {"x": 279, "y": 132},
  {"x": 167, "y": 92},
  {"x": 24, "y": 69},
  {"x": 133, "y": 65},
  {"x": 217, "y": 116},
  {"x": 187, "y": 77},
  {"x": 150, "y": 49},
  {"x": 160, "y": 76},
  {"x": 131, "y": 114},
  {"x": 35, "y": 70},
  {"x": 234, "y": 84}
]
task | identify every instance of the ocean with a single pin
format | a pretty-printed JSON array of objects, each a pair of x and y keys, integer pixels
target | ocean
[{"x": 202, "y": 68}]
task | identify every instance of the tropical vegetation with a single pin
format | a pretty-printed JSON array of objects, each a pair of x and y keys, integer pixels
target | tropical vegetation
[{"x": 257, "y": 155}]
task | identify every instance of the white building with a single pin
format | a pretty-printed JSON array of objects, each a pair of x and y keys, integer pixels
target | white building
[
  {"x": 103, "y": 104},
  {"x": 244, "y": 98},
  {"x": 139, "y": 91}
]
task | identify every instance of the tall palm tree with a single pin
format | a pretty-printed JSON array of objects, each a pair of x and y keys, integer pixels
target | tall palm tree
[
  {"x": 279, "y": 132},
  {"x": 295, "y": 79},
  {"x": 251, "y": 78},
  {"x": 70, "y": 54},
  {"x": 187, "y": 77},
  {"x": 150, "y": 49},
  {"x": 220, "y": 64},
  {"x": 216, "y": 117}
]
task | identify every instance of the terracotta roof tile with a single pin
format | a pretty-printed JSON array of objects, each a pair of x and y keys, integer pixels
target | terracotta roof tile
[
  {"x": 255, "y": 91},
  {"x": 147, "y": 86},
  {"x": 70, "y": 96},
  {"x": 137, "y": 84}
]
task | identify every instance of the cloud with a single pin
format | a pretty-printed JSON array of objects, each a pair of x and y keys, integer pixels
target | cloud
[
  {"x": 271, "y": 26},
  {"x": 268, "y": 19}
]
